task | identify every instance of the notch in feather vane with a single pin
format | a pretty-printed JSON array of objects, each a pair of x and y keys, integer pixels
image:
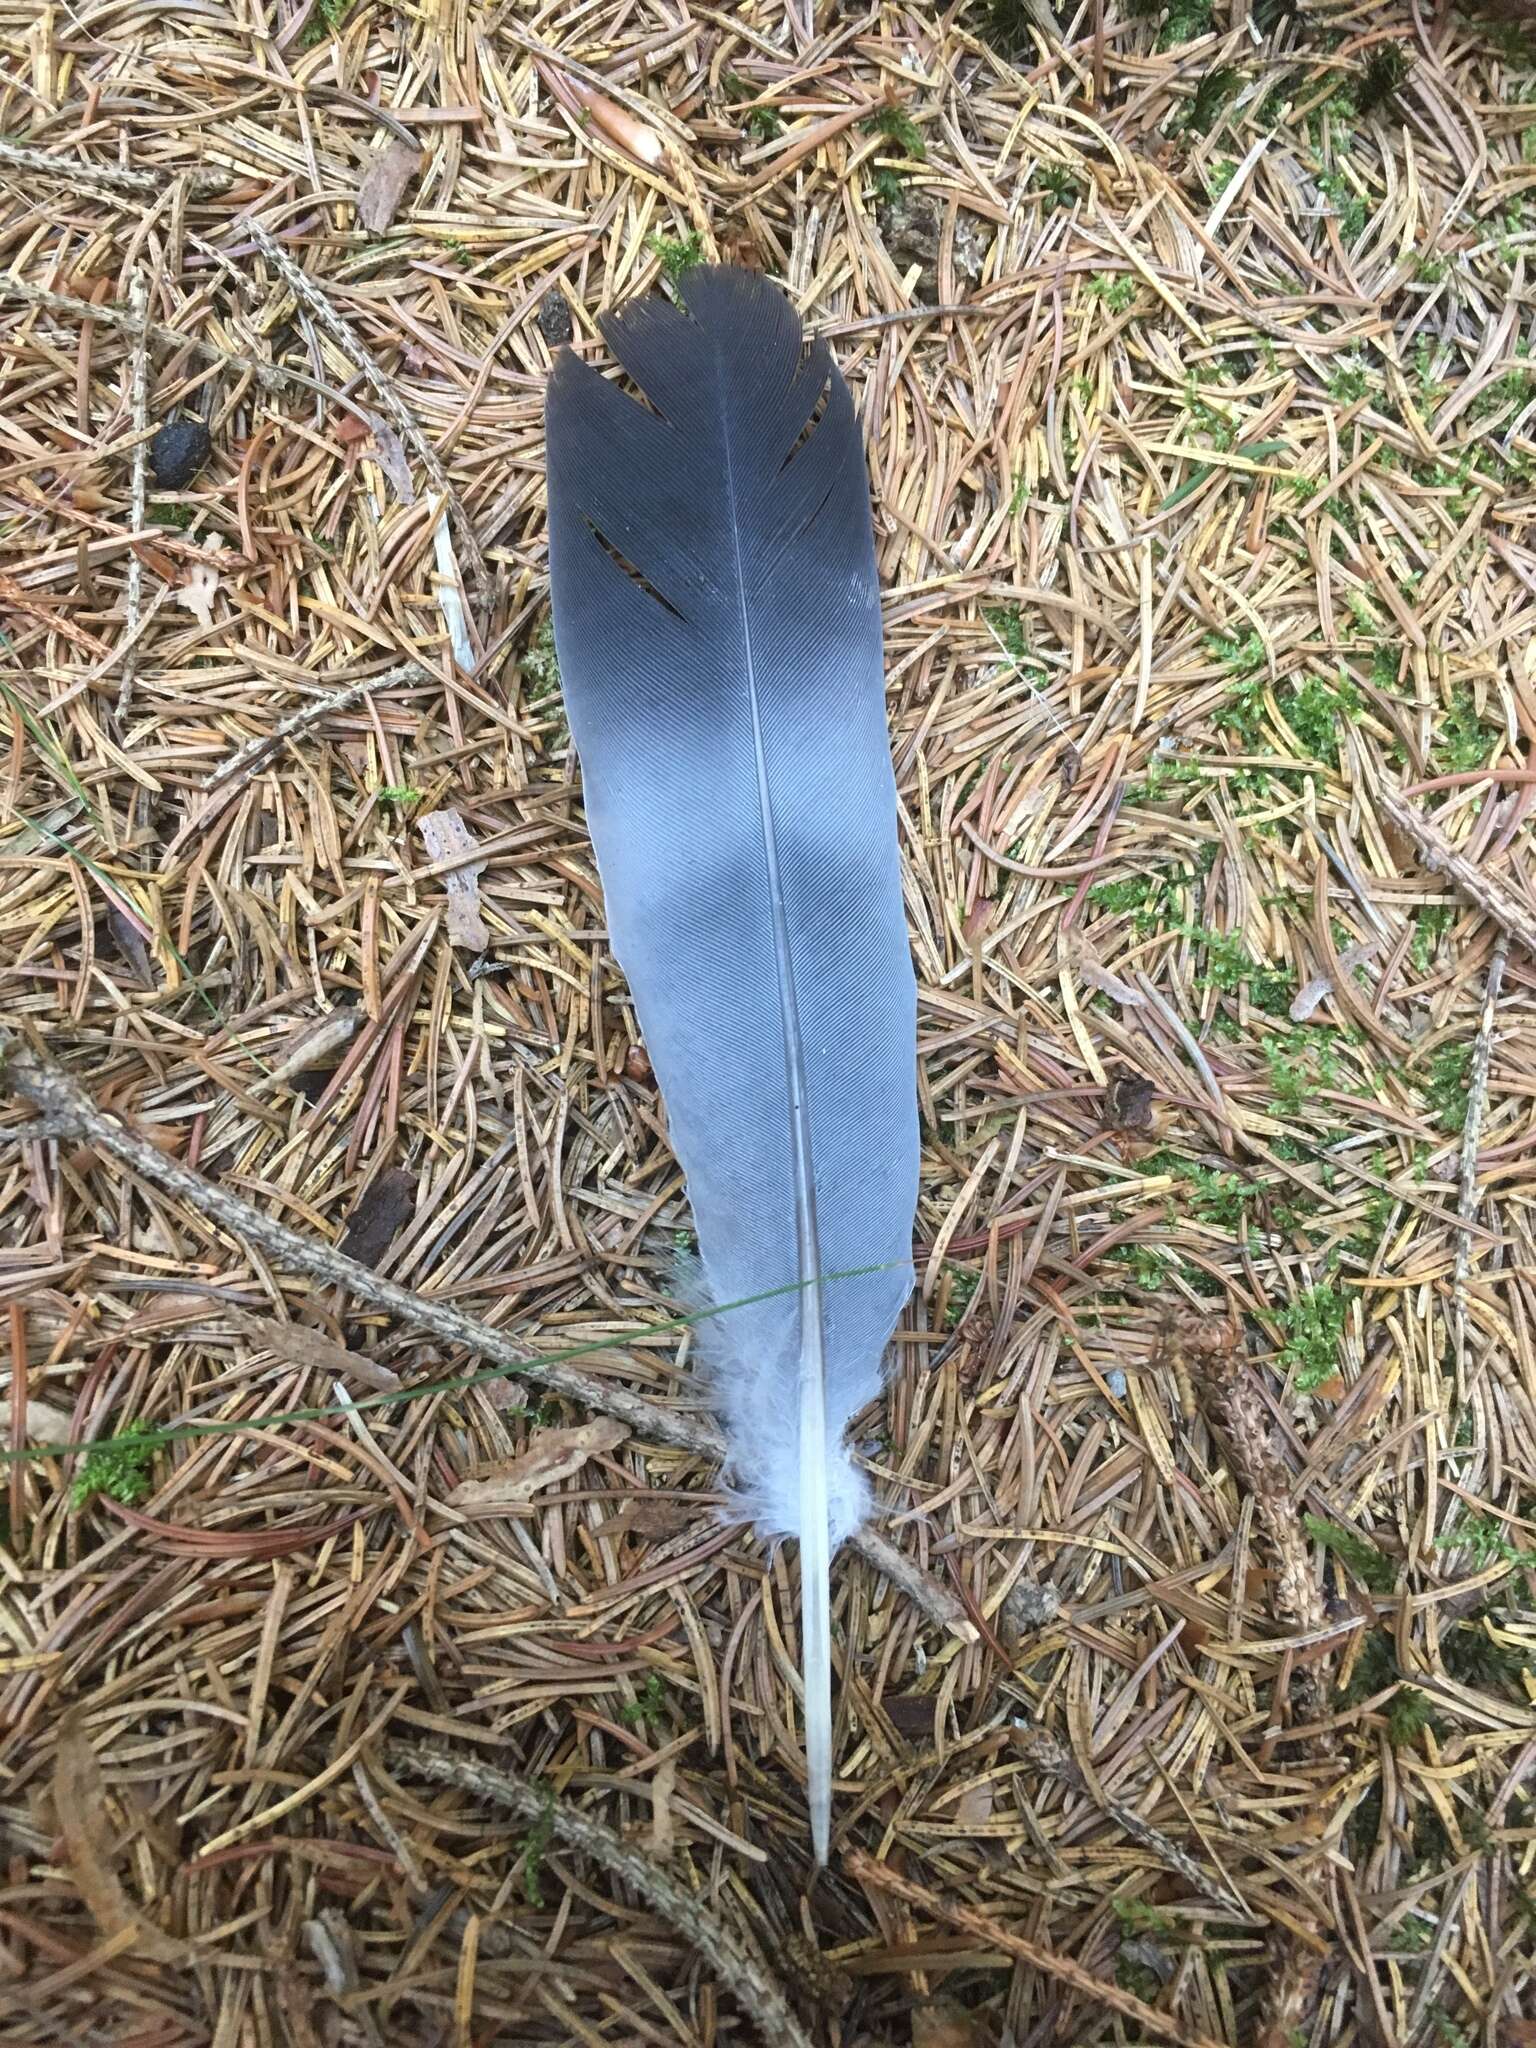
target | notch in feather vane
[{"x": 717, "y": 621}]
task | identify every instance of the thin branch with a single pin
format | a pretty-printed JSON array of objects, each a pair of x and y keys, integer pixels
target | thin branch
[
  {"x": 1106, "y": 1996},
  {"x": 69, "y": 1112},
  {"x": 254, "y": 753},
  {"x": 269, "y": 376},
  {"x": 138, "y": 303},
  {"x": 341, "y": 332},
  {"x": 1471, "y": 1139},
  {"x": 66, "y": 1104},
  {"x": 735, "y": 1965}
]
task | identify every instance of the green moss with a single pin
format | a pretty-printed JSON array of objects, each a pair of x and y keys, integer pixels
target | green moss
[
  {"x": 1216, "y": 87},
  {"x": 1314, "y": 713},
  {"x": 1408, "y": 1717},
  {"x": 1314, "y": 1332},
  {"x": 1007, "y": 622},
  {"x": 648, "y": 1705},
  {"x": 1386, "y": 72},
  {"x": 1368, "y": 1564},
  {"x": 541, "y": 665},
  {"x": 324, "y": 21},
  {"x": 1430, "y": 926},
  {"x": 119, "y": 1469},
  {"x": 1187, "y": 19},
  {"x": 1487, "y": 1539},
  {"x": 764, "y": 122},
  {"x": 898, "y": 127},
  {"x": 1240, "y": 653},
  {"x": 1300, "y": 1063},
  {"x": 677, "y": 256},
  {"x": 1118, "y": 293},
  {"x": 1461, "y": 742},
  {"x": 1448, "y": 1087},
  {"x": 1230, "y": 967},
  {"x": 1352, "y": 215},
  {"x": 1351, "y": 381}
]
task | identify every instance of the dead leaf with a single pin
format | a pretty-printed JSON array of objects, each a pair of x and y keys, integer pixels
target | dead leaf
[
  {"x": 943, "y": 2023},
  {"x": 384, "y": 184},
  {"x": 974, "y": 1804},
  {"x": 1128, "y": 1101},
  {"x": 80, "y": 1800},
  {"x": 663, "y": 1829},
  {"x": 648, "y": 1520},
  {"x": 553, "y": 1454},
  {"x": 449, "y": 838},
  {"x": 376, "y": 1221},
  {"x": 390, "y": 452},
  {"x": 299, "y": 1345}
]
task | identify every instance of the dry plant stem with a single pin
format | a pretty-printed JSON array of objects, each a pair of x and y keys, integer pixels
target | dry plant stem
[
  {"x": 68, "y": 1111},
  {"x": 138, "y": 302},
  {"x": 1212, "y": 1354},
  {"x": 1515, "y": 915},
  {"x": 309, "y": 293},
  {"x": 270, "y": 376},
  {"x": 734, "y": 1964},
  {"x": 1106, "y": 1996}
]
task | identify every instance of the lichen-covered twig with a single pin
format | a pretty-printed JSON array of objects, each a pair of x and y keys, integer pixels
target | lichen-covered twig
[
  {"x": 251, "y": 756},
  {"x": 736, "y": 1966},
  {"x": 68, "y": 1107},
  {"x": 1050, "y": 1756},
  {"x": 1212, "y": 1354},
  {"x": 68, "y": 1111}
]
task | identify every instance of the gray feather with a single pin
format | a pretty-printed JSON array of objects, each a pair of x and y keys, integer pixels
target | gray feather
[{"x": 717, "y": 622}]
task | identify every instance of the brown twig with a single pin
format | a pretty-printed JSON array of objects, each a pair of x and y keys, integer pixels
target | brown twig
[
  {"x": 1471, "y": 1136},
  {"x": 65, "y": 1103}
]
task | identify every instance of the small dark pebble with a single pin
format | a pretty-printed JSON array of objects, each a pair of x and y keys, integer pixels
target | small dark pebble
[
  {"x": 178, "y": 452},
  {"x": 554, "y": 318}
]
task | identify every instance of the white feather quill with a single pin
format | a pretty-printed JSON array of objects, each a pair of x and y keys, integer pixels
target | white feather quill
[{"x": 717, "y": 621}]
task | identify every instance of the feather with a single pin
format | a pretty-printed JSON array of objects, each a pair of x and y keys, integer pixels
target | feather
[{"x": 717, "y": 624}]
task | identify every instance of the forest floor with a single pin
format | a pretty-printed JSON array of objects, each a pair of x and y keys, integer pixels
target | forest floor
[{"x": 1193, "y": 1696}]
